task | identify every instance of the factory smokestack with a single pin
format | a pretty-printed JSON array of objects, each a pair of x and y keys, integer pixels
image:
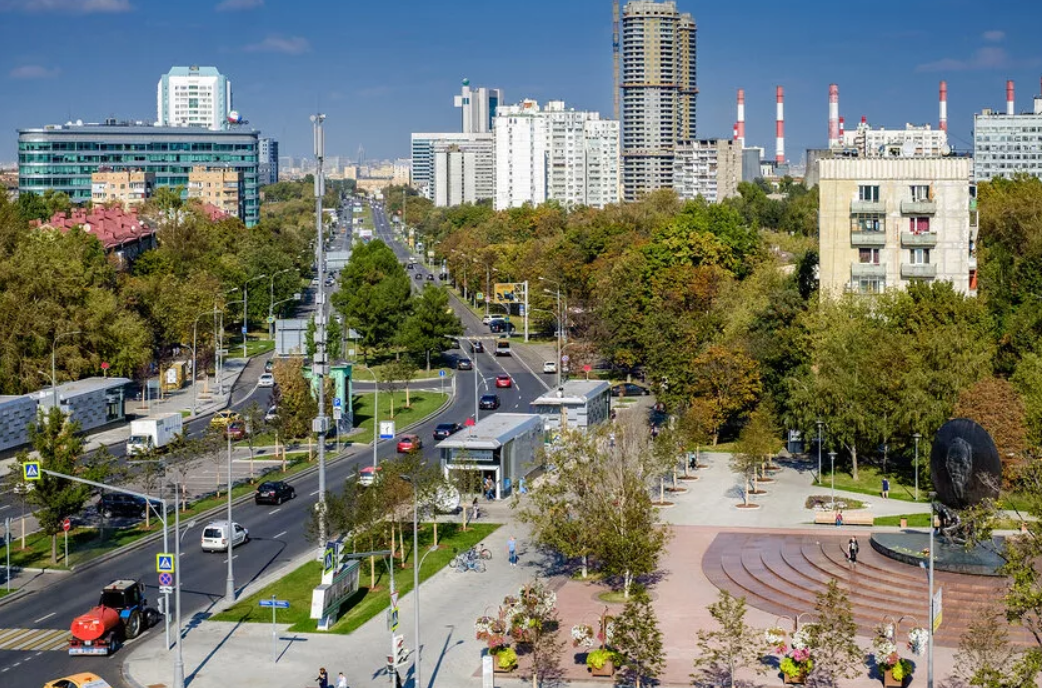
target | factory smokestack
[
  {"x": 842, "y": 128},
  {"x": 735, "y": 132},
  {"x": 1010, "y": 107},
  {"x": 833, "y": 115},
  {"x": 741, "y": 118},
  {"x": 779, "y": 156},
  {"x": 943, "y": 124}
]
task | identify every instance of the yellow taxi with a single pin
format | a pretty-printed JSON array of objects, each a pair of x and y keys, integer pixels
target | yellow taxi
[
  {"x": 84, "y": 680},
  {"x": 223, "y": 419}
]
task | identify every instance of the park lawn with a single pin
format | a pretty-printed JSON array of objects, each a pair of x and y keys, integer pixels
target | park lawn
[
  {"x": 5, "y": 591},
  {"x": 365, "y": 604},
  {"x": 424, "y": 404},
  {"x": 923, "y": 521},
  {"x": 870, "y": 481}
]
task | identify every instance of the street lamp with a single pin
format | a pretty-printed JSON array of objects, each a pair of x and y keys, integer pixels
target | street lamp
[
  {"x": 832, "y": 458},
  {"x": 271, "y": 302},
  {"x": 376, "y": 412},
  {"x": 229, "y": 591},
  {"x": 820, "y": 423},
  {"x": 179, "y": 660},
  {"x": 195, "y": 341},
  {"x": 560, "y": 324},
  {"x": 917, "y": 437},
  {"x": 417, "y": 565},
  {"x": 219, "y": 337},
  {"x": 245, "y": 311},
  {"x": 54, "y": 375}
]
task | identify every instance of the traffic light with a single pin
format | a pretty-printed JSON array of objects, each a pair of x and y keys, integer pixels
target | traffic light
[{"x": 401, "y": 654}]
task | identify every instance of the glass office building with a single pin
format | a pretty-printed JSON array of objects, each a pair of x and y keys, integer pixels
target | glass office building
[{"x": 63, "y": 157}]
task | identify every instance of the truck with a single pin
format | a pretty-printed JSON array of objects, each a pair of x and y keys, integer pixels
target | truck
[
  {"x": 121, "y": 614},
  {"x": 154, "y": 432}
]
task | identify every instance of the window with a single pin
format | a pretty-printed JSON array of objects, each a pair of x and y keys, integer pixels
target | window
[
  {"x": 870, "y": 285},
  {"x": 919, "y": 225},
  {"x": 868, "y": 193},
  {"x": 869, "y": 222},
  {"x": 868, "y": 256},
  {"x": 920, "y": 256},
  {"x": 920, "y": 192}
]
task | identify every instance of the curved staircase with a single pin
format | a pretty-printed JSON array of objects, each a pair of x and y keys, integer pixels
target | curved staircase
[{"x": 782, "y": 573}]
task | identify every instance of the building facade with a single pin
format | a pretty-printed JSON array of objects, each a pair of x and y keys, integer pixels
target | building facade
[
  {"x": 423, "y": 169},
  {"x": 913, "y": 140},
  {"x": 126, "y": 187},
  {"x": 221, "y": 187},
  {"x": 63, "y": 157},
  {"x": 659, "y": 93},
  {"x": 710, "y": 168},
  {"x": 887, "y": 222},
  {"x": 522, "y": 146},
  {"x": 194, "y": 97},
  {"x": 478, "y": 107},
  {"x": 1007, "y": 144},
  {"x": 267, "y": 161},
  {"x": 463, "y": 172}
]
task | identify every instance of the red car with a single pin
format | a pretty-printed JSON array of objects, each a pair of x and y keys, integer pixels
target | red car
[
  {"x": 236, "y": 430},
  {"x": 503, "y": 380},
  {"x": 409, "y": 443}
]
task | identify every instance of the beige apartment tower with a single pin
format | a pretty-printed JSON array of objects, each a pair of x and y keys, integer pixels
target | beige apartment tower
[
  {"x": 127, "y": 187},
  {"x": 710, "y": 168},
  {"x": 885, "y": 223},
  {"x": 221, "y": 187}
]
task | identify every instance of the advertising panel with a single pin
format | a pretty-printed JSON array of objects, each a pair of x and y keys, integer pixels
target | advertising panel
[{"x": 509, "y": 292}]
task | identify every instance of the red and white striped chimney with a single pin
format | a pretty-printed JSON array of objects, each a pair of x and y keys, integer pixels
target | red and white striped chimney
[
  {"x": 779, "y": 133},
  {"x": 842, "y": 129},
  {"x": 741, "y": 118},
  {"x": 943, "y": 123},
  {"x": 833, "y": 115},
  {"x": 1010, "y": 107},
  {"x": 735, "y": 132}
]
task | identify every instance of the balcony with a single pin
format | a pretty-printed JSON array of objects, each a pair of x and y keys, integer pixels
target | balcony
[
  {"x": 926, "y": 207},
  {"x": 919, "y": 271},
  {"x": 867, "y": 239},
  {"x": 862, "y": 270},
  {"x": 923, "y": 239},
  {"x": 877, "y": 207}
]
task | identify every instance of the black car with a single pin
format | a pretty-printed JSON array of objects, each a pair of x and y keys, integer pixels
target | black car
[
  {"x": 443, "y": 430},
  {"x": 419, "y": 275},
  {"x": 464, "y": 364},
  {"x": 477, "y": 347},
  {"x": 430, "y": 277},
  {"x": 629, "y": 389},
  {"x": 274, "y": 493},
  {"x": 489, "y": 401},
  {"x": 124, "y": 506}
]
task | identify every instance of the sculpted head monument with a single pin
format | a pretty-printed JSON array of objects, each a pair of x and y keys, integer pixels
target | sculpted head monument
[{"x": 964, "y": 464}]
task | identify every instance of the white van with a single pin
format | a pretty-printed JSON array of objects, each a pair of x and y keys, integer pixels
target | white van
[{"x": 215, "y": 536}]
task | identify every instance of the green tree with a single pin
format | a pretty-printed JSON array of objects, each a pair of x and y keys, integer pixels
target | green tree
[
  {"x": 374, "y": 295},
  {"x": 297, "y": 406},
  {"x": 1027, "y": 379},
  {"x": 989, "y": 659},
  {"x": 431, "y": 324},
  {"x": 638, "y": 639},
  {"x": 832, "y": 639},
  {"x": 728, "y": 380},
  {"x": 732, "y": 646},
  {"x": 996, "y": 406},
  {"x": 757, "y": 442}
]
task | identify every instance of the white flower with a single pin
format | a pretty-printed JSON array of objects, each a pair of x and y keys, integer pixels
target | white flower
[
  {"x": 774, "y": 636},
  {"x": 918, "y": 638}
]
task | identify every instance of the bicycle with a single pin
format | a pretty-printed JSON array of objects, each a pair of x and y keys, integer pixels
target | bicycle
[
  {"x": 483, "y": 552},
  {"x": 462, "y": 557},
  {"x": 471, "y": 565}
]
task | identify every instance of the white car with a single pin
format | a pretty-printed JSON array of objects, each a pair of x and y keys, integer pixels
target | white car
[
  {"x": 549, "y": 367},
  {"x": 485, "y": 320},
  {"x": 215, "y": 536},
  {"x": 266, "y": 380}
]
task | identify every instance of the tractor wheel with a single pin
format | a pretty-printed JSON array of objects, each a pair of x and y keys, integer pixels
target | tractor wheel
[{"x": 132, "y": 626}]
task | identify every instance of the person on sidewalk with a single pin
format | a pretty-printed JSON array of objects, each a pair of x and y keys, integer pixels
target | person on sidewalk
[
  {"x": 512, "y": 550},
  {"x": 839, "y": 518},
  {"x": 323, "y": 678},
  {"x": 852, "y": 550},
  {"x": 341, "y": 681},
  {"x": 886, "y": 488}
]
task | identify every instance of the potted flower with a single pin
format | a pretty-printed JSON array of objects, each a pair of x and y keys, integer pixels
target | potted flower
[
  {"x": 582, "y": 636},
  {"x": 601, "y": 662},
  {"x": 918, "y": 638},
  {"x": 505, "y": 660},
  {"x": 796, "y": 663},
  {"x": 775, "y": 637},
  {"x": 895, "y": 670}
]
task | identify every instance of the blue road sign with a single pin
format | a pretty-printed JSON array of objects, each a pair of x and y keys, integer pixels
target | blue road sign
[
  {"x": 31, "y": 470},
  {"x": 166, "y": 579},
  {"x": 164, "y": 563},
  {"x": 441, "y": 373},
  {"x": 278, "y": 604},
  {"x": 244, "y": 329},
  {"x": 329, "y": 560},
  {"x": 337, "y": 402}
]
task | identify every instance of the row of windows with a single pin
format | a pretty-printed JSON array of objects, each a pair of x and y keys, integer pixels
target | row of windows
[
  {"x": 94, "y": 161},
  {"x": 870, "y": 256},
  {"x": 151, "y": 146}
]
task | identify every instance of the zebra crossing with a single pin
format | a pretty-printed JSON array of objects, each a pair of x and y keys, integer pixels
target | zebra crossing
[{"x": 39, "y": 639}]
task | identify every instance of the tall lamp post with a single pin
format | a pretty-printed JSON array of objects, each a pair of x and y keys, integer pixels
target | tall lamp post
[
  {"x": 376, "y": 411},
  {"x": 917, "y": 437},
  {"x": 560, "y": 323},
  {"x": 179, "y": 660},
  {"x": 319, "y": 365},
  {"x": 54, "y": 373},
  {"x": 229, "y": 590},
  {"x": 195, "y": 342},
  {"x": 832, "y": 459},
  {"x": 417, "y": 565},
  {"x": 245, "y": 310},
  {"x": 271, "y": 302},
  {"x": 819, "y": 423},
  {"x": 219, "y": 337}
]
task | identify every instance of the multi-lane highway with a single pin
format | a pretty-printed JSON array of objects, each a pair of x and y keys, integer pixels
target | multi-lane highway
[{"x": 277, "y": 533}]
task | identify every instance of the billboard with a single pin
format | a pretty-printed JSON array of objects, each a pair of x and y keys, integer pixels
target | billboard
[{"x": 509, "y": 292}]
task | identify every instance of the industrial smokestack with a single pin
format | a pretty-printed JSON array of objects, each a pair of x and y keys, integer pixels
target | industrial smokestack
[
  {"x": 741, "y": 118},
  {"x": 1010, "y": 107},
  {"x": 735, "y": 132},
  {"x": 943, "y": 124},
  {"x": 842, "y": 129},
  {"x": 833, "y": 115},
  {"x": 779, "y": 134}
]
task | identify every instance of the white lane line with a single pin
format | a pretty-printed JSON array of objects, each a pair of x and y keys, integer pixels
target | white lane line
[
  {"x": 279, "y": 535},
  {"x": 274, "y": 511},
  {"x": 5, "y": 506},
  {"x": 313, "y": 493},
  {"x": 233, "y": 558},
  {"x": 44, "y": 618}
]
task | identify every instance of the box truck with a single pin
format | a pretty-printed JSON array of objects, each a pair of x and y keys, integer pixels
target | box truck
[{"x": 154, "y": 432}]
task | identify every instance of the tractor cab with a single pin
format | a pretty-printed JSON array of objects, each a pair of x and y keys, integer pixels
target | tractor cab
[{"x": 123, "y": 594}]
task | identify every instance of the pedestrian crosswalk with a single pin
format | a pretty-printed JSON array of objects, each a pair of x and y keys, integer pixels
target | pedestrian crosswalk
[{"x": 39, "y": 639}]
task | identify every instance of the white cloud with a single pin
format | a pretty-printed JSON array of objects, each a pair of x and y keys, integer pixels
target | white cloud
[
  {"x": 234, "y": 5},
  {"x": 994, "y": 36},
  {"x": 67, "y": 6},
  {"x": 293, "y": 45},
  {"x": 991, "y": 57},
  {"x": 33, "y": 72}
]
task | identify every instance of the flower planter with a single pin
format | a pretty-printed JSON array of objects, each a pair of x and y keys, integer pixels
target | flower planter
[
  {"x": 499, "y": 670},
  {"x": 794, "y": 680},
  {"x": 607, "y": 669},
  {"x": 890, "y": 682}
]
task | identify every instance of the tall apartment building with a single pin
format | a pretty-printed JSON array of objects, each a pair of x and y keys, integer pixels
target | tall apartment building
[
  {"x": 268, "y": 161},
  {"x": 710, "y": 168},
  {"x": 424, "y": 147},
  {"x": 194, "y": 97},
  {"x": 1005, "y": 144},
  {"x": 400, "y": 175},
  {"x": 659, "y": 92},
  {"x": 126, "y": 187},
  {"x": 555, "y": 154},
  {"x": 886, "y": 222},
  {"x": 63, "y": 157},
  {"x": 478, "y": 107},
  {"x": 218, "y": 186}
]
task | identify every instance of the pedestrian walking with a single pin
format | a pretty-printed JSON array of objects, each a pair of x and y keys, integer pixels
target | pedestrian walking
[
  {"x": 341, "y": 681},
  {"x": 886, "y": 488},
  {"x": 512, "y": 550},
  {"x": 839, "y": 518},
  {"x": 852, "y": 550},
  {"x": 323, "y": 678},
  {"x": 489, "y": 492}
]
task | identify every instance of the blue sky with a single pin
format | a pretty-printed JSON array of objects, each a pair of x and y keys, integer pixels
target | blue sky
[{"x": 382, "y": 69}]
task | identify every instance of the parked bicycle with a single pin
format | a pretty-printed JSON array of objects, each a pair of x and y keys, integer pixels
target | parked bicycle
[{"x": 464, "y": 565}]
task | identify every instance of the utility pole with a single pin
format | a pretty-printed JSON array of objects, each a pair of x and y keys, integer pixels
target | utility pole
[
  {"x": 229, "y": 590},
  {"x": 319, "y": 365}
]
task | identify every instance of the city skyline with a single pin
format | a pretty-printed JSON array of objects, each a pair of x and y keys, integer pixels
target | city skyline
[{"x": 377, "y": 78}]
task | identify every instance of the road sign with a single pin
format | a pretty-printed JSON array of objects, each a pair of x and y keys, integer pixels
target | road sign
[
  {"x": 392, "y": 619},
  {"x": 66, "y": 525},
  {"x": 31, "y": 470},
  {"x": 337, "y": 414},
  {"x": 394, "y": 600},
  {"x": 469, "y": 422},
  {"x": 937, "y": 604},
  {"x": 166, "y": 579},
  {"x": 587, "y": 368},
  {"x": 104, "y": 365},
  {"x": 565, "y": 359},
  {"x": 278, "y": 604},
  {"x": 329, "y": 559},
  {"x": 520, "y": 309},
  {"x": 386, "y": 429},
  {"x": 166, "y": 590},
  {"x": 338, "y": 402},
  {"x": 244, "y": 329},
  {"x": 270, "y": 319},
  {"x": 441, "y": 373},
  {"x": 164, "y": 562},
  {"x": 479, "y": 296}
]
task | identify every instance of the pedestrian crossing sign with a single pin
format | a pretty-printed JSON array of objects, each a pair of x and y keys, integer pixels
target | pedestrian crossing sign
[
  {"x": 164, "y": 562},
  {"x": 31, "y": 470}
]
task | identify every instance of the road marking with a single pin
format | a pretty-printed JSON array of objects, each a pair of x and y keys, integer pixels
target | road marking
[
  {"x": 44, "y": 639},
  {"x": 313, "y": 493},
  {"x": 279, "y": 535},
  {"x": 274, "y": 511},
  {"x": 44, "y": 618},
  {"x": 5, "y": 506},
  {"x": 233, "y": 558}
]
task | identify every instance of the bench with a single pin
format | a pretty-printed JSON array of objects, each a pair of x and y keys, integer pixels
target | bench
[{"x": 850, "y": 518}]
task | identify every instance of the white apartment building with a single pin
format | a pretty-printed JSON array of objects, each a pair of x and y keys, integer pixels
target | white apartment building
[
  {"x": 887, "y": 222},
  {"x": 268, "y": 161},
  {"x": 463, "y": 171},
  {"x": 710, "y": 168},
  {"x": 556, "y": 154},
  {"x": 194, "y": 97},
  {"x": 422, "y": 161},
  {"x": 913, "y": 140},
  {"x": 1007, "y": 144},
  {"x": 478, "y": 107}
]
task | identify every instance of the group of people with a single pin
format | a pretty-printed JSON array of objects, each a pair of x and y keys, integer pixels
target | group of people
[{"x": 323, "y": 680}]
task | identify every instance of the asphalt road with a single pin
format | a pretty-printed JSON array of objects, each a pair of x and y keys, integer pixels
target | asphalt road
[{"x": 277, "y": 533}]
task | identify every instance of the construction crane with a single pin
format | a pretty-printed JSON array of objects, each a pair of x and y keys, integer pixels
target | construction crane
[{"x": 615, "y": 54}]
